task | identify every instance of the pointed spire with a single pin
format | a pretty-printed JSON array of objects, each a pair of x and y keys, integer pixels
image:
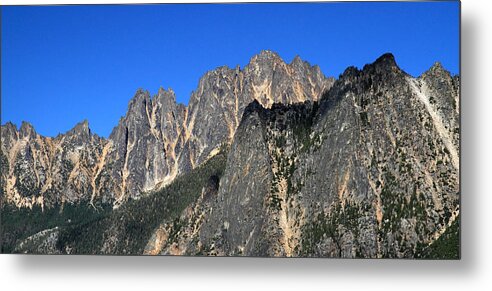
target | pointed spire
[
  {"x": 164, "y": 97},
  {"x": 9, "y": 126},
  {"x": 297, "y": 61},
  {"x": 138, "y": 102},
  {"x": 436, "y": 70},
  {"x": 80, "y": 129},
  {"x": 27, "y": 129},
  {"x": 437, "y": 67}
]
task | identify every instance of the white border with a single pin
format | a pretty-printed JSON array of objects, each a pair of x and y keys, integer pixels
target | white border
[{"x": 473, "y": 272}]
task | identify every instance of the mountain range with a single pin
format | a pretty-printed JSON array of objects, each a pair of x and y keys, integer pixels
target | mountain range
[{"x": 272, "y": 159}]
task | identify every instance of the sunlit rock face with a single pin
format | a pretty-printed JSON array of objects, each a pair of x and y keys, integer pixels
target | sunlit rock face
[{"x": 144, "y": 143}]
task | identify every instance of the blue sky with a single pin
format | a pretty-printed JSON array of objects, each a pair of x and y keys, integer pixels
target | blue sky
[{"x": 63, "y": 64}]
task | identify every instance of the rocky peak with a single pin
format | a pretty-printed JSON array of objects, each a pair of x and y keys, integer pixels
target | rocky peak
[
  {"x": 442, "y": 92},
  {"x": 386, "y": 58},
  {"x": 297, "y": 61},
  {"x": 139, "y": 102},
  {"x": 9, "y": 125},
  {"x": 80, "y": 128},
  {"x": 169, "y": 92},
  {"x": 384, "y": 64},
  {"x": 80, "y": 132},
  {"x": 437, "y": 71},
  {"x": 9, "y": 135},
  {"x": 164, "y": 97},
  {"x": 437, "y": 67},
  {"x": 27, "y": 130},
  {"x": 266, "y": 56},
  {"x": 8, "y": 128},
  {"x": 269, "y": 61},
  {"x": 136, "y": 113},
  {"x": 300, "y": 65}
]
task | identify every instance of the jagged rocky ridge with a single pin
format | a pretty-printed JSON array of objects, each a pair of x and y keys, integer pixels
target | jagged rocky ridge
[
  {"x": 38, "y": 170},
  {"x": 368, "y": 170},
  {"x": 157, "y": 140}
]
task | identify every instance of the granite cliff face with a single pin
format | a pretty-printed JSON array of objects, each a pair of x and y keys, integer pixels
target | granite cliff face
[
  {"x": 273, "y": 159},
  {"x": 143, "y": 156},
  {"x": 154, "y": 142}
]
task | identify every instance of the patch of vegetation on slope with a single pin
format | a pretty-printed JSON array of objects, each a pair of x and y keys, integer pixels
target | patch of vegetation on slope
[
  {"x": 127, "y": 229},
  {"x": 446, "y": 247},
  {"x": 20, "y": 223},
  {"x": 332, "y": 226}
]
